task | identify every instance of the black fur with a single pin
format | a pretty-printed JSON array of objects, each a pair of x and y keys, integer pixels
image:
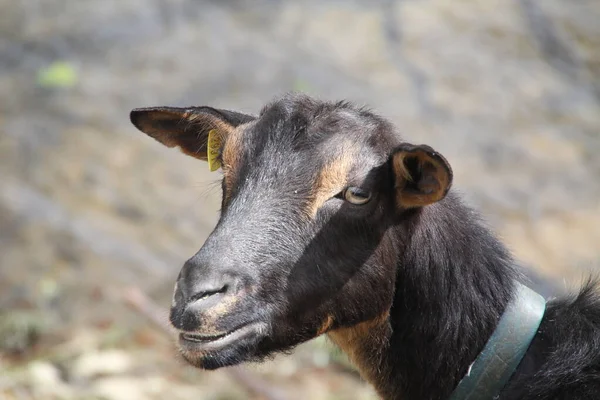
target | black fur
[{"x": 431, "y": 281}]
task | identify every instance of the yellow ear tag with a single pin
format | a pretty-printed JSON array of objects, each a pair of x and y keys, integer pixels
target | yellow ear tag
[{"x": 213, "y": 147}]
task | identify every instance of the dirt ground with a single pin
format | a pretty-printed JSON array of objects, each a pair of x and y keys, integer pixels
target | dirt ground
[{"x": 509, "y": 91}]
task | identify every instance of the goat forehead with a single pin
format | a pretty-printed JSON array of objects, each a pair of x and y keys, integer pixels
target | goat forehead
[
  {"x": 311, "y": 132},
  {"x": 285, "y": 155},
  {"x": 304, "y": 151}
]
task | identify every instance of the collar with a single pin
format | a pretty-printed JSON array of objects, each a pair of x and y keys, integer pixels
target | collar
[{"x": 505, "y": 349}]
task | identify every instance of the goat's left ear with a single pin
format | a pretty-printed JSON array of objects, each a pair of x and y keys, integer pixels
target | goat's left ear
[{"x": 422, "y": 175}]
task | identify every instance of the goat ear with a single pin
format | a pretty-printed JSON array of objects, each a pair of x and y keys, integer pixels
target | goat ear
[
  {"x": 422, "y": 175},
  {"x": 187, "y": 128}
]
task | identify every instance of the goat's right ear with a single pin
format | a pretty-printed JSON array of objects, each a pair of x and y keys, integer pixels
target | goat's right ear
[
  {"x": 187, "y": 128},
  {"x": 422, "y": 175}
]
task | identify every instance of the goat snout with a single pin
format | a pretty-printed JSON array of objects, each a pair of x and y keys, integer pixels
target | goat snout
[{"x": 200, "y": 298}]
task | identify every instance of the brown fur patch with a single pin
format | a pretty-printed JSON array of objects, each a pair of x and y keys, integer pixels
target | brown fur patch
[
  {"x": 327, "y": 324},
  {"x": 332, "y": 179},
  {"x": 433, "y": 184},
  {"x": 363, "y": 343},
  {"x": 353, "y": 339},
  {"x": 403, "y": 176}
]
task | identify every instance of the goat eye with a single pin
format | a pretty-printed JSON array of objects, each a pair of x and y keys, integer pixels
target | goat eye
[{"x": 356, "y": 195}]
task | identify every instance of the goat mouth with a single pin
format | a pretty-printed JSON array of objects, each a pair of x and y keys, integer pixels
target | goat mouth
[
  {"x": 198, "y": 338},
  {"x": 194, "y": 342}
]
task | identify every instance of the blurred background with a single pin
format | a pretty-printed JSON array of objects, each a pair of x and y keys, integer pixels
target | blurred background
[{"x": 509, "y": 91}]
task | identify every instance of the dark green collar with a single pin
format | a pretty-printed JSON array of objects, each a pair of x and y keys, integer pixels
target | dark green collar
[{"x": 505, "y": 349}]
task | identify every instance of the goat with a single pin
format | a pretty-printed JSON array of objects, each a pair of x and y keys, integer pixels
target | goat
[{"x": 332, "y": 224}]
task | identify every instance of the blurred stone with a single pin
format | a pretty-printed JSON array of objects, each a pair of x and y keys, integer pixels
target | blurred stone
[
  {"x": 120, "y": 388},
  {"x": 44, "y": 374},
  {"x": 99, "y": 363},
  {"x": 46, "y": 382}
]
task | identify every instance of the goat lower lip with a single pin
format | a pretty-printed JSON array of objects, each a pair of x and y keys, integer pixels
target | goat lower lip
[
  {"x": 194, "y": 337},
  {"x": 190, "y": 341}
]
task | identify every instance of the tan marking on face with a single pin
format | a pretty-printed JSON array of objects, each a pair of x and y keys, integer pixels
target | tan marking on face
[
  {"x": 231, "y": 153},
  {"x": 327, "y": 324},
  {"x": 211, "y": 316},
  {"x": 332, "y": 179}
]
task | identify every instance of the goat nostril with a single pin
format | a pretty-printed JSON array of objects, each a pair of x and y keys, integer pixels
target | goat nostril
[{"x": 207, "y": 293}]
